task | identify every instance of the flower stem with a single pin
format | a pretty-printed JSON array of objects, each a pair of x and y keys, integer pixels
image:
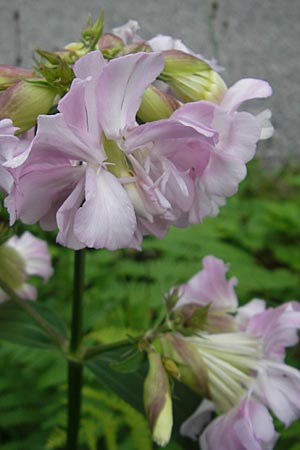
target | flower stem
[
  {"x": 75, "y": 367},
  {"x": 33, "y": 313}
]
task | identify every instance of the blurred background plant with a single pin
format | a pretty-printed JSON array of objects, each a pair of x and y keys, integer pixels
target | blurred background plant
[{"x": 258, "y": 232}]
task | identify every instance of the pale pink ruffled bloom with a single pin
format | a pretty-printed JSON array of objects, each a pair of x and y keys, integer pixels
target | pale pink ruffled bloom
[
  {"x": 248, "y": 426},
  {"x": 109, "y": 192},
  {"x": 36, "y": 260},
  {"x": 66, "y": 180},
  {"x": 212, "y": 143}
]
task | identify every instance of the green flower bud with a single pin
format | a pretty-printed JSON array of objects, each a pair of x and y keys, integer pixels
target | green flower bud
[
  {"x": 10, "y": 75},
  {"x": 25, "y": 100},
  {"x": 156, "y": 105},
  {"x": 12, "y": 267},
  {"x": 157, "y": 400},
  {"x": 191, "y": 78},
  {"x": 110, "y": 45}
]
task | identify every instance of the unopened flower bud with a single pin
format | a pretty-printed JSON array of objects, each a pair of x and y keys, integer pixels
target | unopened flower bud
[
  {"x": 157, "y": 400},
  {"x": 156, "y": 105},
  {"x": 110, "y": 45},
  {"x": 25, "y": 100},
  {"x": 191, "y": 78},
  {"x": 10, "y": 75}
]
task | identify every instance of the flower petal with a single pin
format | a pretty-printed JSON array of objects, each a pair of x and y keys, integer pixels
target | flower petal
[
  {"x": 107, "y": 217},
  {"x": 245, "y": 89},
  {"x": 121, "y": 87}
]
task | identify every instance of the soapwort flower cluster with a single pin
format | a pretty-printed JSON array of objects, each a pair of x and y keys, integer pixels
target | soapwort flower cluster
[
  {"x": 147, "y": 135},
  {"x": 234, "y": 357}
]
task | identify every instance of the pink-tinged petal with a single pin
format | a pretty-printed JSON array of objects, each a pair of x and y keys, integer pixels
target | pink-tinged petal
[
  {"x": 210, "y": 286},
  {"x": 245, "y": 89},
  {"x": 73, "y": 107},
  {"x": 239, "y": 134},
  {"x": 278, "y": 385},
  {"x": 264, "y": 436},
  {"x": 35, "y": 253},
  {"x": 223, "y": 174},
  {"x": 89, "y": 68},
  {"x": 204, "y": 204},
  {"x": 188, "y": 155},
  {"x": 244, "y": 314},
  {"x": 19, "y": 155},
  {"x": 248, "y": 426},
  {"x": 6, "y": 180},
  {"x": 267, "y": 129},
  {"x": 66, "y": 216},
  {"x": 198, "y": 115},
  {"x": 194, "y": 425},
  {"x": 42, "y": 188},
  {"x": 6, "y": 127},
  {"x": 161, "y": 130},
  {"x": 127, "y": 32},
  {"x": 55, "y": 136},
  {"x": 90, "y": 65},
  {"x": 277, "y": 328},
  {"x": 121, "y": 87},
  {"x": 107, "y": 217}
]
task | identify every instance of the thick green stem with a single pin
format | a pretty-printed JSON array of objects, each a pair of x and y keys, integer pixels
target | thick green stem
[
  {"x": 26, "y": 306},
  {"x": 75, "y": 367}
]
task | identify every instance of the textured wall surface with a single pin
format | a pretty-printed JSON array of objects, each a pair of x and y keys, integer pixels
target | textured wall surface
[{"x": 250, "y": 38}]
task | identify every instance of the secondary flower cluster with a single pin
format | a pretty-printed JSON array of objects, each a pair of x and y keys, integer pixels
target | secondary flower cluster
[
  {"x": 232, "y": 356},
  {"x": 141, "y": 141}
]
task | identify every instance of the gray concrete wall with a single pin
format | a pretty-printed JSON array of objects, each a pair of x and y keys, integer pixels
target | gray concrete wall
[{"x": 251, "y": 38}]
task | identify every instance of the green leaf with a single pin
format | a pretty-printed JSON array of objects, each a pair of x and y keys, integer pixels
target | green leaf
[
  {"x": 16, "y": 326},
  {"x": 128, "y": 386}
]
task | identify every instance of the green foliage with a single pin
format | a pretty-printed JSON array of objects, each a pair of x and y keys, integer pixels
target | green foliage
[{"x": 258, "y": 233}]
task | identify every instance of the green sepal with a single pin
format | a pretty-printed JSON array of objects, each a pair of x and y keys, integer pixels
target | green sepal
[{"x": 190, "y": 318}]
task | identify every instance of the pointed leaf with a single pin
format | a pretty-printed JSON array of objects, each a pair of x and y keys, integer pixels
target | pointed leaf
[{"x": 16, "y": 326}]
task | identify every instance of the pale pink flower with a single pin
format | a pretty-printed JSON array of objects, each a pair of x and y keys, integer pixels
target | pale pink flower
[
  {"x": 212, "y": 143},
  {"x": 247, "y": 426},
  {"x": 276, "y": 327},
  {"x": 76, "y": 176},
  {"x": 33, "y": 258}
]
